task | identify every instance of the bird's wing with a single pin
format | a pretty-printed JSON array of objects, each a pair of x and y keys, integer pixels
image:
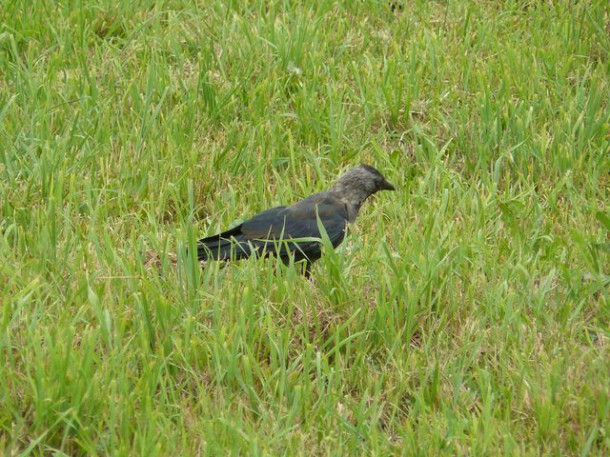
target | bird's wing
[
  {"x": 229, "y": 244},
  {"x": 276, "y": 225}
]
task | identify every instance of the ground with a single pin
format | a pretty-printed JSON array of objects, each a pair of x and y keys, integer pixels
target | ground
[{"x": 468, "y": 313}]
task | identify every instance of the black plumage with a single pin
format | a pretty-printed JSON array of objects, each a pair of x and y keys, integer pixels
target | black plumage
[{"x": 293, "y": 230}]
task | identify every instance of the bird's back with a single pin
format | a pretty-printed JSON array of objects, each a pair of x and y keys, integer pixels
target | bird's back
[{"x": 269, "y": 232}]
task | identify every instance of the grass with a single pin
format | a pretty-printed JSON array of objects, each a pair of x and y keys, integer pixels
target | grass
[{"x": 466, "y": 314}]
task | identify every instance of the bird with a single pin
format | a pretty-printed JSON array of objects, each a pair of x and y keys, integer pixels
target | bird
[{"x": 293, "y": 231}]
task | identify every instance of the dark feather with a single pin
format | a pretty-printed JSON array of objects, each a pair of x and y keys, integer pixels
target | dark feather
[
  {"x": 270, "y": 231},
  {"x": 293, "y": 231}
]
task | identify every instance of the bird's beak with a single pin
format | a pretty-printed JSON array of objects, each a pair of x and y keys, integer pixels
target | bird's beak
[{"x": 387, "y": 186}]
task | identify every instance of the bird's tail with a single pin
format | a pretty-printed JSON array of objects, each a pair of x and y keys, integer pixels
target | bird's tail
[{"x": 229, "y": 245}]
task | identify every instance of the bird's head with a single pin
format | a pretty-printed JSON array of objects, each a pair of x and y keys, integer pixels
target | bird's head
[
  {"x": 362, "y": 179},
  {"x": 359, "y": 183}
]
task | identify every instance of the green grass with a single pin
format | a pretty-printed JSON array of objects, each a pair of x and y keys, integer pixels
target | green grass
[{"x": 468, "y": 313}]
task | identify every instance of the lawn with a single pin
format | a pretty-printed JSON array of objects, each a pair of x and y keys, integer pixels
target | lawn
[{"x": 467, "y": 313}]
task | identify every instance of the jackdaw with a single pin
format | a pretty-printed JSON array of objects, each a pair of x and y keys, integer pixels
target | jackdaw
[{"x": 269, "y": 232}]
